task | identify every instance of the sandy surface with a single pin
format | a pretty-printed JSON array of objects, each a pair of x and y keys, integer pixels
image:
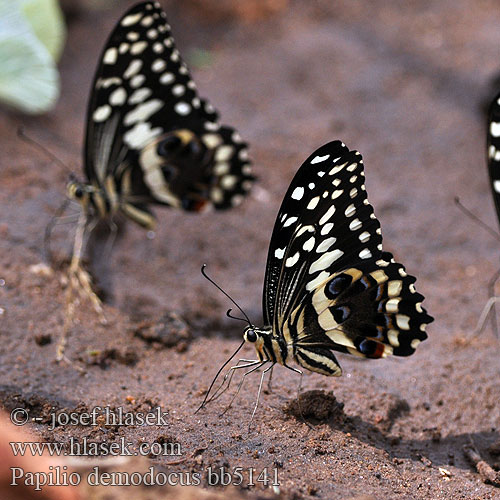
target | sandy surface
[{"x": 402, "y": 84}]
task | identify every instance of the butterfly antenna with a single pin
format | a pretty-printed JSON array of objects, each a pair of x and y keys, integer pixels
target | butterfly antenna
[
  {"x": 22, "y": 135},
  {"x": 217, "y": 375},
  {"x": 225, "y": 293},
  {"x": 229, "y": 315},
  {"x": 475, "y": 218}
]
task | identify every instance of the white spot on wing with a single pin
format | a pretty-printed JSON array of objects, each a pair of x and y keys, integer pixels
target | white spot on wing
[
  {"x": 167, "y": 78},
  {"x": 319, "y": 159},
  {"x": 313, "y": 203},
  {"x": 138, "y": 47},
  {"x": 224, "y": 153},
  {"x": 325, "y": 260},
  {"x": 326, "y": 228},
  {"x": 137, "y": 81},
  {"x": 178, "y": 90},
  {"x": 110, "y": 56},
  {"x": 328, "y": 214},
  {"x": 279, "y": 252},
  {"x": 326, "y": 244},
  {"x": 211, "y": 140},
  {"x": 495, "y": 129},
  {"x": 350, "y": 210},
  {"x": 364, "y": 237},
  {"x": 118, "y": 96},
  {"x": 298, "y": 192},
  {"x": 143, "y": 111},
  {"x": 322, "y": 276},
  {"x": 131, "y": 19},
  {"x": 309, "y": 244},
  {"x": 101, "y": 113},
  {"x": 290, "y": 221},
  {"x": 133, "y": 36},
  {"x": 182, "y": 108},
  {"x": 138, "y": 136},
  {"x": 133, "y": 68},
  {"x": 140, "y": 95},
  {"x": 291, "y": 261},
  {"x": 365, "y": 254},
  {"x": 355, "y": 225}
]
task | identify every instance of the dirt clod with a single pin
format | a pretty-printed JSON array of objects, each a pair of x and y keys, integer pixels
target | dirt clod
[
  {"x": 318, "y": 405},
  {"x": 170, "y": 331}
]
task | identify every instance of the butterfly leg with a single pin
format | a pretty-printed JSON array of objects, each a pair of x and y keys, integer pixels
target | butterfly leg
[
  {"x": 80, "y": 279},
  {"x": 113, "y": 231},
  {"x": 491, "y": 288},
  {"x": 258, "y": 393},
  {"x": 270, "y": 381},
  {"x": 229, "y": 376},
  {"x": 256, "y": 365},
  {"x": 490, "y": 305}
]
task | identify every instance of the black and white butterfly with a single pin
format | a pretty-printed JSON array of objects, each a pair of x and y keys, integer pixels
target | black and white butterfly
[
  {"x": 493, "y": 146},
  {"x": 493, "y": 159},
  {"x": 150, "y": 138},
  {"x": 329, "y": 286}
]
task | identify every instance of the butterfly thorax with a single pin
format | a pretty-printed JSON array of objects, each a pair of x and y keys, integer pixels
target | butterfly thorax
[
  {"x": 99, "y": 201},
  {"x": 269, "y": 347}
]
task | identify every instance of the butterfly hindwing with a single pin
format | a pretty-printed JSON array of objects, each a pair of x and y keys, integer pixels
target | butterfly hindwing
[
  {"x": 371, "y": 310},
  {"x": 494, "y": 150},
  {"x": 145, "y": 115}
]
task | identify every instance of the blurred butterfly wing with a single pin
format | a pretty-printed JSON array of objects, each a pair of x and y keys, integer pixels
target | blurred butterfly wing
[
  {"x": 493, "y": 146},
  {"x": 142, "y": 90},
  {"x": 325, "y": 223}
]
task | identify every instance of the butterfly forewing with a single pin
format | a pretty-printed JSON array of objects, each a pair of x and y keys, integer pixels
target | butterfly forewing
[
  {"x": 494, "y": 150},
  {"x": 143, "y": 91},
  {"x": 325, "y": 223}
]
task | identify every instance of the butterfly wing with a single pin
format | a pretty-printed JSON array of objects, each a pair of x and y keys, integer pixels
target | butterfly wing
[
  {"x": 143, "y": 99},
  {"x": 327, "y": 238},
  {"x": 494, "y": 150}
]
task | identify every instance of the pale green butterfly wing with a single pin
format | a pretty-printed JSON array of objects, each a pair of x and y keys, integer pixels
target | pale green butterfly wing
[
  {"x": 29, "y": 80},
  {"x": 46, "y": 19}
]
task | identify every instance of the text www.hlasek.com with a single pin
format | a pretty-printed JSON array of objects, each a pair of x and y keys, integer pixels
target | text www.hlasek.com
[{"x": 84, "y": 447}]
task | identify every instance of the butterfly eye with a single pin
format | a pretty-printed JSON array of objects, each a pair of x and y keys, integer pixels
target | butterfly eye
[
  {"x": 193, "y": 149},
  {"x": 250, "y": 336},
  {"x": 168, "y": 145},
  {"x": 78, "y": 192},
  {"x": 338, "y": 285},
  {"x": 340, "y": 314}
]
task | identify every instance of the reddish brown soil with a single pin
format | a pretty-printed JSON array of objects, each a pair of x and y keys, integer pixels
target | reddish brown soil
[{"x": 402, "y": 82}]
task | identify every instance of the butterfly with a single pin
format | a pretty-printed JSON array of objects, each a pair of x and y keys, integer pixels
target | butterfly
[
  {"x": 150, "y": 139},
  {"x": 493, "y": 159},
  {"x": 493, "y": 148},
  {"x": 329, "y": 287}
]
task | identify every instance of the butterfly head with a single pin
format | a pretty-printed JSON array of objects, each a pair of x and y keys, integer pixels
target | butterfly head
[
  {"x": 78, "y": 191},
  {"x": 261, "y": 340},
  {"x": 178, "y": 161}
]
